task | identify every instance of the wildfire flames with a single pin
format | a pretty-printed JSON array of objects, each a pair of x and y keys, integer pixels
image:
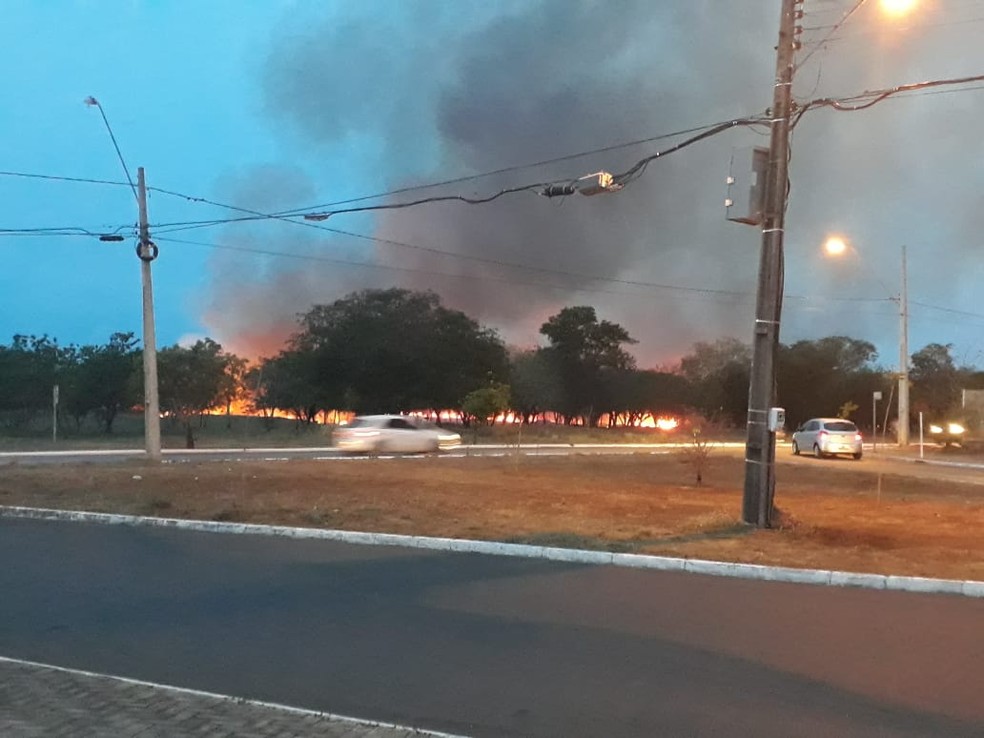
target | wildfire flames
[{"x": 245, "y": 408}]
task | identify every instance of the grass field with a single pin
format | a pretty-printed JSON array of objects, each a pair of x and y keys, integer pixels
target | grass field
[{"x": 833, "y": 516}]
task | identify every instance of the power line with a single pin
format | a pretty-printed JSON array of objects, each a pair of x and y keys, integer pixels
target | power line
[
  {"x": 622, "y": 179},
  {"x": 469, "y": 257},
  {"x": 692, "y": 292},
  {"x": 946, "y": 309},
  {"x": 504, "y": 170},
  {"x": 86, "y": 180},
  {"x": 833, "y": 29}
]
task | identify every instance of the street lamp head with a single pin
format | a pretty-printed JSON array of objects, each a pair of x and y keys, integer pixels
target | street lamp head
[
  {"x": 897, "y": 8},
  {"x": 91, "y": 101},
  {"x": 835, "y": 246}
]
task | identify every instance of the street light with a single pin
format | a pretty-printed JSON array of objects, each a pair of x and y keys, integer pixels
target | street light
[
  {"x": 897, "y": 8},
  {"x": 146, "y": 252},
  {"x": 838, "y": 246}
]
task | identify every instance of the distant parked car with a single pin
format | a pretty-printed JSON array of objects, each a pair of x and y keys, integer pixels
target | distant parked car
[
  {"x": 393, "y": 434},
  {"x": 828, "y": 437}
]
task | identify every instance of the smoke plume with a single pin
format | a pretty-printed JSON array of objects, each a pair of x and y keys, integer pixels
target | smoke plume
[{"x": 389, "y": 94}]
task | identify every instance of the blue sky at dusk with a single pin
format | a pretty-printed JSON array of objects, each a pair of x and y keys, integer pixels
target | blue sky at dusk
[{"x": 273, "y": 106}]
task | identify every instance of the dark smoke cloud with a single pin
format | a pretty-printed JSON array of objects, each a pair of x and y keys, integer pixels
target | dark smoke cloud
[{"x": 411, "y": 92}]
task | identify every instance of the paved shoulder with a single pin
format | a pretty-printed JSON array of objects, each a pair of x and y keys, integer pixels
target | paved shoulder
[{"x": 38, "y": 701}]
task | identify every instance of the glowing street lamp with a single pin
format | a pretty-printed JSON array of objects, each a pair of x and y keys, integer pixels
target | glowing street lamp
[
  {"x": 897, "y": 8},
  {"x": 837, "y": 246}
]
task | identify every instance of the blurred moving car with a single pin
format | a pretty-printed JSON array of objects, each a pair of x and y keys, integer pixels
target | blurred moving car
[
  {"x": 947, "y": 433},
  {"x": 828, "y": 437},
  {"x": 393, "y": 434}
]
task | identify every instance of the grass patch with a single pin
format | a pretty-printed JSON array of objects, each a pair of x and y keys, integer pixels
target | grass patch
[{"x": 833, "y": 515}]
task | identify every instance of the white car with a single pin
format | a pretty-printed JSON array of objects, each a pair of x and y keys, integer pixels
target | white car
[
  {"x": 393, "y": 434},
  {"x": 828, "y": 437}
]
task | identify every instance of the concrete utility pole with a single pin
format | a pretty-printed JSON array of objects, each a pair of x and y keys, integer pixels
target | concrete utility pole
[
  {"x": 147, "y": 251},
  {"x": 760, "y": 447},
  {"x": 904, "y": 356}
]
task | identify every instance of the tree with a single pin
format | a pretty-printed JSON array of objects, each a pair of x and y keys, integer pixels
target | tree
[
  {"x": 102, "y": 380},
  {"x": 719, "y": 374},
  {"x": 633, "y": 394},
  {"x": 192, "y": 380},
  {"x": 823, "y": 376},
  {"x": 288, "y": 382},
  {"x": 29, "y": 368},
  {"x": 535, "y": 384},
  {"x": 396, "y": 350},
  {"x": 485, "y": 403},
  {"x": 581, "y": 349},
  {"x": 936, "y": 380}
]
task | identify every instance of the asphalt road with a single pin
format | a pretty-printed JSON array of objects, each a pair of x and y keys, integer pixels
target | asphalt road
[
  {"x": 887, "y": 461},
  {"x": 490, "y": 646},
  {"x": 333, "y": 454}
]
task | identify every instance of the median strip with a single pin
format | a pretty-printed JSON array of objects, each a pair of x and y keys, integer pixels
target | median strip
[{"x": 925, "y": 585}]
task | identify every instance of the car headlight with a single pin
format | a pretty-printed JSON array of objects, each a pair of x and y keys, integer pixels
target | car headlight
[
  {"x": 955, "y": 429},
  {"x": 935, "y": 429}
]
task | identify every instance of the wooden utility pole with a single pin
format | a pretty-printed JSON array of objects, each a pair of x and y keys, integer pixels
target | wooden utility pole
[{"x": 760, "y": 447}]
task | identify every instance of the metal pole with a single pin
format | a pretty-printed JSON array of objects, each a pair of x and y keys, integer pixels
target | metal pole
[
  {"x": 760, "y": 447},
  {"x": 147, "y": 252},
  {"x": 904, "y": 357},
  {"x": 874, "y": 422},
  {"x": 54, "y": 414},
  {"x": 920, "y": 434}
]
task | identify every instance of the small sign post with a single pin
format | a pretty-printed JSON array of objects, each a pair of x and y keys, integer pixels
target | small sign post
[{"x": 875, "y": 397}]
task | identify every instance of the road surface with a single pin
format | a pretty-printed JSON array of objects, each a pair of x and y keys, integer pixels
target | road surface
[{"x": 489, "y": 646}]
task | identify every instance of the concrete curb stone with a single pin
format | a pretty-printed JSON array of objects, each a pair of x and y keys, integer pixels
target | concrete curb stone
[{"x": 822, "y": 577}]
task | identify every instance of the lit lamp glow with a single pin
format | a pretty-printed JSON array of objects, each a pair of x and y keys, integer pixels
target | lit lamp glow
[
  {"x": 835, "y": 246},
  {"x": 897, "y": 8}
]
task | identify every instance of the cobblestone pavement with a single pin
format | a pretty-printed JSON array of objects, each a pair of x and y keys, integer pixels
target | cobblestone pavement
[{"x": 43, "y": 702}]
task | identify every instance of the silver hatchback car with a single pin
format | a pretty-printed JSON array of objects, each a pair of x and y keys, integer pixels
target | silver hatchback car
[{"x": 828, "y": 437}]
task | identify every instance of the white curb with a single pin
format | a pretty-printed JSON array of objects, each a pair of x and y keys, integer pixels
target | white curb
[
  {"x": 966, "y": 588},
  {"x": 299, "y": 711}
]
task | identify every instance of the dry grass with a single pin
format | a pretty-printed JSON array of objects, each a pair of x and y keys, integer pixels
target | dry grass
[{"x": 643, "y": 503}]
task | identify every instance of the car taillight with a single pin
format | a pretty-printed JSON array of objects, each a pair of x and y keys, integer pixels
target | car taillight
[
  {"x": 857, "y": 436},
  {"x": 823, "y": 434}
]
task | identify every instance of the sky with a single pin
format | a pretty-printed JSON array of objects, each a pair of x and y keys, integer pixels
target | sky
[{"x": 285, "y": 105}]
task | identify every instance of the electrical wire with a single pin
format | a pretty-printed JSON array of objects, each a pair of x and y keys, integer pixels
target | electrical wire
[
  {"x": 453, "y": 254},
  {"x": 833, "y": 29},
  {"x": 85, "y": 180},
  {"x": 865, "y": 100},
  {"x": 495, "y": 172},
  {"x": 537, "y": 187},
  {"x": 694, "y": 293}
]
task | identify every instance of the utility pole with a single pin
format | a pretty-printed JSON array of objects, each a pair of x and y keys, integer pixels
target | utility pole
[
  {"x": 760, "y": 447},
  {"x": 904, "y": 356},
  {"x": 147, "y": 251}
]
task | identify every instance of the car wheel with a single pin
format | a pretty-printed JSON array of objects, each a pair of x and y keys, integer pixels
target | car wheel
[
  {"x": 816, "y": 451},
  {"x": 857, "y": 456},
  {"x": 796, "y": 449}
]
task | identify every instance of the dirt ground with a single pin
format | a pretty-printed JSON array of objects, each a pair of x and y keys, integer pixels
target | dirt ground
[{"x": 832, "y": 517}]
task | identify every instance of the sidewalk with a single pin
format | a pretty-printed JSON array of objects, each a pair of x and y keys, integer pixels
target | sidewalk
[{"x": 44, "y": 702}]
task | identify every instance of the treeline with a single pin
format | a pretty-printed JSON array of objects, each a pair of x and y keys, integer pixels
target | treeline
[{"x": 398, "y": 351}]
